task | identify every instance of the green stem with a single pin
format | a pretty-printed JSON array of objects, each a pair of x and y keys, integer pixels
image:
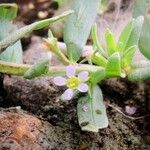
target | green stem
[{"x": 20, "y": 69}]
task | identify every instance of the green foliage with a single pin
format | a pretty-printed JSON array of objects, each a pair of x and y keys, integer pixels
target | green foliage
[
  {"x": 113, "y": 67},
  {"x": 78, "y": 26},
  {"x": 92, "y": 112},
  {"x": 143, "y": 8},
  {"x": 128, "y": 56},
  {"x": 130, "y": 35},
  {"x": 96, "y": 44},
  {"x": 38, "y": 69},
  {"x": 110, "y": 42},
  {"x": 18, "y": 34},
  {"x": 7, "y": 14},
  {"x": 97, "y": 76}
]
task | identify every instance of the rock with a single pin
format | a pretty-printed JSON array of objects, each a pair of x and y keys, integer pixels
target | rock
[
  {"x": 20, "y": 131},
  {"x": 32, "y": 94}
]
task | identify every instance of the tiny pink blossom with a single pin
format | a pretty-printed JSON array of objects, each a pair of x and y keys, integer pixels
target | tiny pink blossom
[{"x": 73, "y": 82}]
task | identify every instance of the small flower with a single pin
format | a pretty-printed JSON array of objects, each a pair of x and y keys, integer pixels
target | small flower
[{"x": 73, "y": 82}]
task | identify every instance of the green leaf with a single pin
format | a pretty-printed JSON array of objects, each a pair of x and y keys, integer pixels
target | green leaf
[
  {"x": 78, "y": 26},
  {"x": 98, "y": 59},
  {"x": 113, "y": 67},
  {"x": 97, "y": 76},
  {"x": 139, "y": 74},
  {"x": 128, "y": 56},
  {"x": 110, "y": 42},
  {"x": 143, "y": 8},
  {"x": 130, "y": 35},
  {"x": 124, "y": 37},
  {"x": 18, "y": 34},
  {"x": 92, "y": 112},
  {"x": 7, "y": 14},
  {"x": 95, "y": 40},
  {"x": 38, "y": 69}
]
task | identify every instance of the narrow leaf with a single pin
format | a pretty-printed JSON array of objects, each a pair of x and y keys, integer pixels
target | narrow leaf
[
  {"x": 18, "y": 34},
  {"x": 131, "y": 34},
  {"x": 124, "y": 37},
  {"x": 92, "y": 112},
  {"x": 110, "y": 42},
  {"x": 113, "y": 67},
  {"x": 96, "y": 42},
  {"x": 128, "y": 56},
  {"x": 78, "y": 26},
  {"x": 135, "y": 35}
]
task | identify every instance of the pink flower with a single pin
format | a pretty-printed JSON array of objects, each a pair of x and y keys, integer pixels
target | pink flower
[{"x": 73, "y": 82}]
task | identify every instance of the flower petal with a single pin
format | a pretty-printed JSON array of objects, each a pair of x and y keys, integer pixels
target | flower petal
[
  {"x": 67, "y": 95},
  {"x": 70, "y": 71},
  {"x": 83, "y": 76},
  {"x": 83, "y": 87},
  {"x": 59, "y": 81}
]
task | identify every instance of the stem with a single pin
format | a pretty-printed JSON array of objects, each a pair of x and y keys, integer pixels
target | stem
[
  {"x": 20, "y": 69},
  {"x": 52, "y": 45},
  {"x": 62, "y": 56}
]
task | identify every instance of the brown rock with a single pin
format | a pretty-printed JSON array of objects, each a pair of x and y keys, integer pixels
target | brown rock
[{"x": 20, "y": 131}]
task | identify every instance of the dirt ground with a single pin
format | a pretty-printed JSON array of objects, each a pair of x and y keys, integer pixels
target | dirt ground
[{"x": 54, "y": 122}]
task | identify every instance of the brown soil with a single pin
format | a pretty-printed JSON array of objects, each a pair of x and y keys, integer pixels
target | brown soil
[{"x": 62, "y": 131}]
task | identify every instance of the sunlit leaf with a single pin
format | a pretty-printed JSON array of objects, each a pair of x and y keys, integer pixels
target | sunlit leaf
[
  {"x": 113, "y": 67},
  {"x": 128, "y": 56},
  {"x": 92, "y": 112},
  {"x": 97, "y": 76},
  {"x": 110, "y": 42}
]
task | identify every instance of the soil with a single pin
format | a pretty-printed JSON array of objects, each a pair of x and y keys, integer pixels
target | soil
[{"x": 56, "y": 122}]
